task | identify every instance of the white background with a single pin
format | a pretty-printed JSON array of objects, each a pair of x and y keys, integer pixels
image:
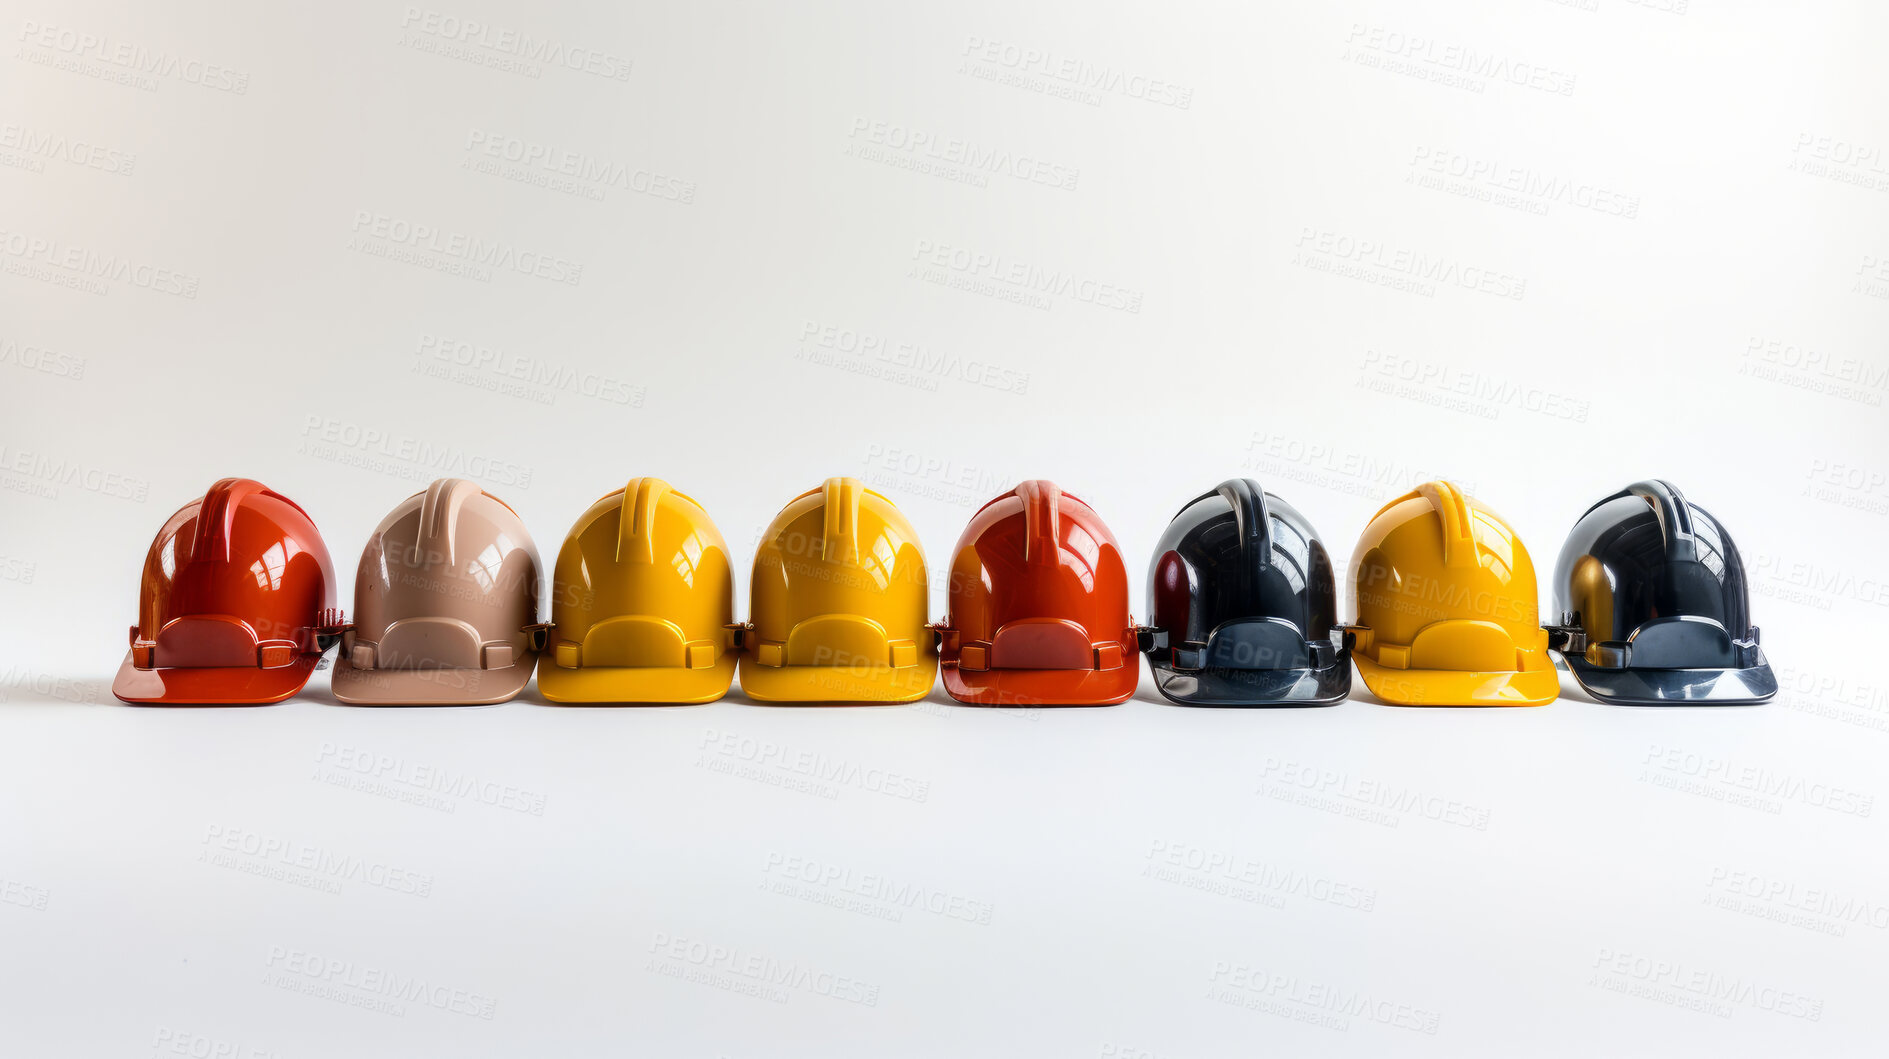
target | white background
[{"x": 1655, "y": 242}]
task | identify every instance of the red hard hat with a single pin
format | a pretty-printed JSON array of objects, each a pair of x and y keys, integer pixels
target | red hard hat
[
  {"x": 237, "y": 604},
  {"x": 1039, "y": 606}
]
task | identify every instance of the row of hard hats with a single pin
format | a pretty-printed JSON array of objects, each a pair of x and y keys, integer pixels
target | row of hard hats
[{"x": 238, "y": 604}]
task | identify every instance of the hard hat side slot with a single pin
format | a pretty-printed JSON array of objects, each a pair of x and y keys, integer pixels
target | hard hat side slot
[
  {"x": 1258, "y": 643},
  {"x": 203, "y": 641},
  {"x": 1042, "y": 643},
  {"x": 1684, "y": 641},
  {"x": 635, "y": 640},
  {"x": 430, "y": 643}
]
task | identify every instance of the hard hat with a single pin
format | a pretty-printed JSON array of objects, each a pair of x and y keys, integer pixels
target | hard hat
[
  {"x": 1653, "y": 607},
  {"x": 839, "y": 603},
  {"x": 237, "y": 603},
  {"x": 1446, "y": 607},
  {"x": 1244, "y": 605},
  {"x": 642, "y": 603},
  {"x": 1039, "y": 606},
  {"x": 445, "y": 604}
]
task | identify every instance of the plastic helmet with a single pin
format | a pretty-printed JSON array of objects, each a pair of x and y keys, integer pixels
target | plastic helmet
[
  {"x": 445, "y": 604},
  {"x": 1039, "y": 606},
  {"x": 1244, "y": 605},
  {"x": 642, "y": 603},
  {"x": 839, "y": 602},
  {"x": 1446, "y": 606},
  {"x": 237, "y": 603},
  {"x": 1653, "y": 607}
]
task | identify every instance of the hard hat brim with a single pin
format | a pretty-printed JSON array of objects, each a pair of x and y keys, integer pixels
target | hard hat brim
[
  {"x": 430, "y": 687},
  {"x": 213, "y": 685},
  {"x": 1443, "y": 687},
  {"x": 1218, "y": 686},
  {"x": 1043, "y": 687},
  {"x": 1674, "y": 687},
  {"x": 635, "y": 684},
  {"x": 861, "y": 684}
]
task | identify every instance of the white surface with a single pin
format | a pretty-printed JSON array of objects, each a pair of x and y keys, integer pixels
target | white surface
[{"x": 1545, "y": 881}]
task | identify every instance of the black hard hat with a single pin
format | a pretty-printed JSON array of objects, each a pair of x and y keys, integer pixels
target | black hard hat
[
  {"x": 1244, "y": 605},
  {"x": 1653, "y": 607}
]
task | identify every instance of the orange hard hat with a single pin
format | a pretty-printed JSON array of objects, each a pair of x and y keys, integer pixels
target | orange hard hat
[
  {"x": 237, "y": 603},
  {"x": 1038, "y": 606}
]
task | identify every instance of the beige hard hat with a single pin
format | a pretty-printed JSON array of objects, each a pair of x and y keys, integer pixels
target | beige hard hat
[{"x": 445, "y": 604}]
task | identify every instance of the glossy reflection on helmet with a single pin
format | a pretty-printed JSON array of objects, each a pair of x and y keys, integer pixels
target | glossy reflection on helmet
[
  {"x": 1653, "y": 606},
  {"x": 1243, "y": 605},
  {"x": 236, "y": 604},
  {"x": 839, "y": 602},
  {"x": 1445, "y": 598},
  {"x": 1038, "y": 606},
  {"x": 446, "y": 603},
  {"x": 642, "y": 603}
]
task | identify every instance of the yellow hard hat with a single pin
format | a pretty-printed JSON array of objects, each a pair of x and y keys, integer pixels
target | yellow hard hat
[
  {"x": 839, "y": 603},
  {"x": 642, "y": 603},
  {"x": 1444, "y": 595}
]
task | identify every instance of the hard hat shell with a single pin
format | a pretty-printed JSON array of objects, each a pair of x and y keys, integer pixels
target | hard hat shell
[
  {"x": 445, "y": 601},
  {"x": 838, "y": 603},
  {"x": 236, "y": 605},
  {"x": 1243, "y": 598},
  {"x": 642, "y": 603},
  {"x": 1038, "y": 606},
  {"x": 1657, "y": 588},
  {"x": 1446, "y": 597}
]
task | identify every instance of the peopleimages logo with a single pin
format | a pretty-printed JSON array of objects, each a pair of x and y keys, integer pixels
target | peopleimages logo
[
  {"x": 86, "y": 263},
  {"x": 1818, "y": 586},
  {"x": 1696, "y": 988},
  {"x": 967, "y": 154},
  {"x": 1529, "y": 188},
  {"x": 1805, "y": 367},
  {"x": 1354, "y": 473},
  {"x": 44, "y": 685},
  {"x": 1742, "y": 783},
  {"x": 1389, "y": 372},
  {"x": 1317, "y": 1003},
  {"x": 1400, "y": 267},
  {"x": 500, "y": 40},
  {"x": 135, "y": 63},
  {"x": 1863, "y": 165},
  {"x": 872, "y": 888},
  {"x": 41, "y": 359},
  {"x": 1025, "y": 277},
  {"x": 911, "y": 356},
  {"x": 13, "y": 892},
  {"x": 528, "y": 371},
  {"x": 1456, "y": 64},
  {"x": 1091, "y": 80},
  {"x": 43, "y": 145},
  {"x": 376, "y": 449},
  {"x": 1381, "y": 585},
  {"x": 297, "y": 969},
  {"x": 582, "y": 168},
  {"x": 1243, "y": 878},
  {"x": 758, "y": 973},
  {"x": 303, "y": 864},
  {"x": 430, "y": 778},
  {"x": 1794, "y": 904},
  {"x": 469, "y": 250},
  {"x": 1373, "y": 801},
  {"x": 730, "y": 750},
  {"x": 35, "y": 472}
]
